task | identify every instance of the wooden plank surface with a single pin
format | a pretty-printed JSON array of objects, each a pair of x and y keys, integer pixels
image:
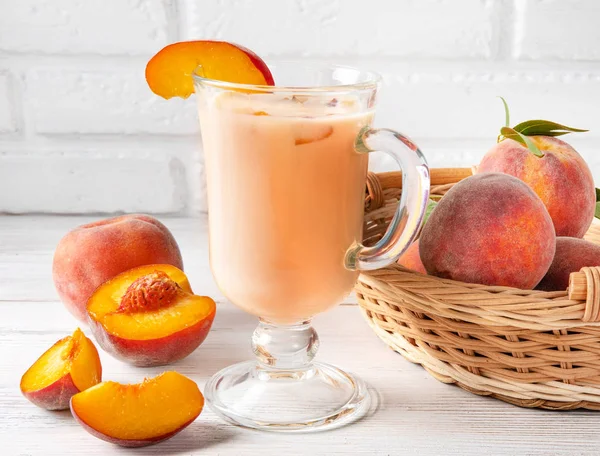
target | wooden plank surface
[{"x": 415, "y": 415}]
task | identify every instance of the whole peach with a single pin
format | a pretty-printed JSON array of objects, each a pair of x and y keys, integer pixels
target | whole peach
[
  {"x": 571, "y": 255},
  {"x": 490, "y": 229},
  {"x": 561, "y": 178},
  {"x": 91, "y": 254}
]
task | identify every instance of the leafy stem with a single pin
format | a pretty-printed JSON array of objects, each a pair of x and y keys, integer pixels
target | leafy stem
[
  {"x": 538, "y": 127},
  {"x": 545, "y": 128},
  {"x": 511, "y": 133},
  {"x": 506, "y": 112}
]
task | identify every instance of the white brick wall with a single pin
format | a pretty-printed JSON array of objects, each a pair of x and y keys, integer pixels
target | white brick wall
[
  {"x": 111, "y": 101},
  {"x": 8, "y": 123},
  {"x": 91, "y": 179},
  {"x": 315, "y": 28},
  {"x": 561, "y": 29},
  {"x": 81, "y": 132},
  {"x": 84, "y": 26}
]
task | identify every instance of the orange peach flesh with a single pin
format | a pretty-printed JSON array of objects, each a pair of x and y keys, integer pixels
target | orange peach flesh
[
  {"x": 71, "y": 365},
  {"x": 169, "y": 72},
  {"x": 186, "y": 310},
  {"x": 91, "y": 254},
  {"x": 139, "y": 414},
  {"x": 134, "y": 322}
]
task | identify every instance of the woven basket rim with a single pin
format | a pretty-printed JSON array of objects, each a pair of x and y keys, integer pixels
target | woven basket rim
[{"x": 504, "y": 304}]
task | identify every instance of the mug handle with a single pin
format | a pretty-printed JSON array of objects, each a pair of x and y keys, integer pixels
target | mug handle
[{"x": 407, "y": 221}]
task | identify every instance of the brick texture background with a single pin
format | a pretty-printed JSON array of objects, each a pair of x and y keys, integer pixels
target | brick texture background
[{"x": 80, "y": 132}]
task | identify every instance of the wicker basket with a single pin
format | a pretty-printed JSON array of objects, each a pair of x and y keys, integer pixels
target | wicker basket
[{"x": 529, "y": 348}]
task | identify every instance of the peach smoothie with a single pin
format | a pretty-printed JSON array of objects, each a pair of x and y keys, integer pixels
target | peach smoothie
[{"x": 285, "y": 195}]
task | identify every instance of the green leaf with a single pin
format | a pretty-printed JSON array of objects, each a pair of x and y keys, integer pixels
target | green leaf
[
  {"x": 506, "y": 113},
  {"x": 510, "y": 133},
  {"x": 597, "y": 214},
  {"x": 544, "y": 128},
  {"x": 430, "y": 207}
]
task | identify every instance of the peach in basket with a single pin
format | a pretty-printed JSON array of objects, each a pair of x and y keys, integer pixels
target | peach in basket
[
  {"x": 411, "y": 258},
  {"x": 490, "y": 229},
  {"x": 553, "y": 169},
  {"x": 149, "y": 316},
  {"x": 571, "y": 255}
]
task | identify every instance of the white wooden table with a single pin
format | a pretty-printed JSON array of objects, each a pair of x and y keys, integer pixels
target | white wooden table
[{"x": 416, "y": 414}]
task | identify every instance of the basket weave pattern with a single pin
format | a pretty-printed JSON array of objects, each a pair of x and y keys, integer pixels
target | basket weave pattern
[{"x": 529, "y": 348}]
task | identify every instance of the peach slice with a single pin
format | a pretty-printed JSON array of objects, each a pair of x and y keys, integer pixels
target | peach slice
[
  {"x": 71, "y": 365},
  {"x": 149, "y": 316},
  {"x": 169, "y": 72},
  {"x": 139, "y": 414}
]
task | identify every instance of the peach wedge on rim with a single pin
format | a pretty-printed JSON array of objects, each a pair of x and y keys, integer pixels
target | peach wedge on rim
[
  {"x": 169, "y": 72},
  {"x": 71, "y": 365},
  {"x": 140, "y": 414},
  {"x": 149, "y": 316}
]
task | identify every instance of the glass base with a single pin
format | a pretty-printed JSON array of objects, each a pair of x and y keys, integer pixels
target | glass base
[{"x": 320, "y": 397}]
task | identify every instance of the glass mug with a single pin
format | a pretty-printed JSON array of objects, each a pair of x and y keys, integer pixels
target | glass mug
[{"x": 286, "y": 170}]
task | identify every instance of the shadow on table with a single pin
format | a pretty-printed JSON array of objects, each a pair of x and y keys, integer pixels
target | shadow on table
[
  {"x": 198, "y": 436},
  {"x": 376, "y": 403}
]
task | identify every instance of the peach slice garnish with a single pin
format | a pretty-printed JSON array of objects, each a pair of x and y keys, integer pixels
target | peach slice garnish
[
  {"x": 149, "y": 316},
  {"x": 71, "y": 365},
  {"x": 169, "y": 72},
  {"x": 139, "y": 414}
]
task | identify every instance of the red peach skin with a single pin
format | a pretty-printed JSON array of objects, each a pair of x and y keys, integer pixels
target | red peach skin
[
  {"x": 490, "y": 229},
  {"x": 571, "y": 255},
  {"x": 91, "y": 254},
  {"x": 153, "y": 352},
  {"x": 411, "y": 259},
  {"x": 130, "y": 443},
  {"x": 55, "y": 396},
  {"x": 71, "y": 365},
  {"x": 561, "y": 178}
]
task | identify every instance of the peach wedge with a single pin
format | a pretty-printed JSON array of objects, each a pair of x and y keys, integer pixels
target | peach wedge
[
  {"x": 169, "y": 72},
  {"x": 148, "y": 316},
  {"x": 140, "y": 414},
  {"x": 71, "y": 365}
]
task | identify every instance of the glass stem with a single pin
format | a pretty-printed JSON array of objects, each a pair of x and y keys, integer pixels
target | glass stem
[{"x": 285, "y": 347}]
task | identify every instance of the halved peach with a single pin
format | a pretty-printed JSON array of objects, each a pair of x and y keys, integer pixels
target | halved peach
[
  {"x": 169, "y": 72},
  {"x": 140, "y": 414},
  {"x": 149, "y": 316},
  {"x": 71, "y": 365}
]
